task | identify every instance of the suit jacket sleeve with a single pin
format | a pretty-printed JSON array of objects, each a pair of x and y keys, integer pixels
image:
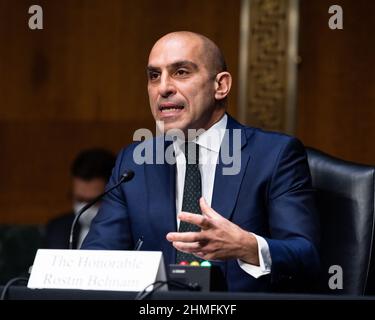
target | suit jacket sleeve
[
  {"x": 293, "y": 221},
  {"x": 110, "y": 229}
]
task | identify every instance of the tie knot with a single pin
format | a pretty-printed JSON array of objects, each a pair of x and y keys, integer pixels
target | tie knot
[{"x": 191, "y": 151}]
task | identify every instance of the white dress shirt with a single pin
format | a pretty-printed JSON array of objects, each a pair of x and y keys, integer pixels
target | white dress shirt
[{"x": 209, "y": 146}]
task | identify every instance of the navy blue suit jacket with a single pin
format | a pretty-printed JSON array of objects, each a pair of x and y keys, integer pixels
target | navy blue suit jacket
[{"x": 271, "y": 196}]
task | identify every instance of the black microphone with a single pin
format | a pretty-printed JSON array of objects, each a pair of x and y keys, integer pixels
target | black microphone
[{"x": 125, "y": 177}]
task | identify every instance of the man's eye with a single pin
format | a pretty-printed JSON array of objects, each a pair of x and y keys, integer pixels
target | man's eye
[
  {"x": 182, "y": 72},
  {"x": 153, "y": 75}
]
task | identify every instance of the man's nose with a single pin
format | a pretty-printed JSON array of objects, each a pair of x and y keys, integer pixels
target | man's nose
[{"x": 166, "y": 86}]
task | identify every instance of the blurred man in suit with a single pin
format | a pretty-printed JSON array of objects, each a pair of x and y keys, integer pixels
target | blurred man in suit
[
  {"x": 90, "y": 172},
  {"x": 257, "y": 221}
]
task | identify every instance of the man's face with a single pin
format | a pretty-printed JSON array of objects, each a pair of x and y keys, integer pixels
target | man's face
[
  {"x": 87, "y": 190},
  {"x": 181, "y": 89}
]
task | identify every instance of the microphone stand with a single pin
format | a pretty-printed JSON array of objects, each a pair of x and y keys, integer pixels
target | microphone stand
[{"x": 126, "y": 176}]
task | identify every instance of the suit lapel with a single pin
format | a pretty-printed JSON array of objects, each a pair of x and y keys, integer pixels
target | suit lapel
[
  {"x": 161, "y": 194},
  {"x": 227, "y": 186},
  {"x": 161, "y": 183}
]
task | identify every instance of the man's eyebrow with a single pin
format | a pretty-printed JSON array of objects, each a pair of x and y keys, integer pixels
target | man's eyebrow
[
  {"x": 184, "y": 63},
  {"x": 174, "y": 65},
  {"x": 152, "y": 68}
]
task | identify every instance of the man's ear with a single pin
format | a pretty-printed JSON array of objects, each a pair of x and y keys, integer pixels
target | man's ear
[{"x": 223, "y": 83}]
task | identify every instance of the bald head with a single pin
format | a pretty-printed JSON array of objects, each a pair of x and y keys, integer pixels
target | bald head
[{"x": 209, "y": 52}]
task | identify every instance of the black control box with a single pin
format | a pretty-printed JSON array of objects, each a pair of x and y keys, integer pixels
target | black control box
[{"x": 199, "y": 278}]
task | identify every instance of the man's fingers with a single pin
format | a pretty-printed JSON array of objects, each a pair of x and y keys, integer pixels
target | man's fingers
[
  {"x": 206, "y": 209},
  {"x": 190, "y": 247},
  {"x": 197, "y": 219},
  {"x": 185, "y": 236}
]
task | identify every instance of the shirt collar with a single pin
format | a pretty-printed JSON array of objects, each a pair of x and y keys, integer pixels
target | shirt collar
[{"x": 210, "y": 139}]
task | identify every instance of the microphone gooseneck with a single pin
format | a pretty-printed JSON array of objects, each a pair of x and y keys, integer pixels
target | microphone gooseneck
[{"x": 125, "y": 177}]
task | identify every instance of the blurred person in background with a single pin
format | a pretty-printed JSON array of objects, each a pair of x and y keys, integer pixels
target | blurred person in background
[{"x": 90, "y": 172}]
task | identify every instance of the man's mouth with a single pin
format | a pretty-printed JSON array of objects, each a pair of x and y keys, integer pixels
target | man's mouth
[{"x": 170, "y": 107}]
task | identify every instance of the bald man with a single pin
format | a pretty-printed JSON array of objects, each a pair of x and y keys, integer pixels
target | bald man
[{"x": 237, "y": 196}]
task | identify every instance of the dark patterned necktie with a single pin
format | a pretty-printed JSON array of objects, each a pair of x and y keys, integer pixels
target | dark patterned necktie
[{"x": 192, "y": 193}]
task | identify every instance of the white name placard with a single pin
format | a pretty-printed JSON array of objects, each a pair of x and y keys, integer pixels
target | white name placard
[{"x": 96, "y": 270}]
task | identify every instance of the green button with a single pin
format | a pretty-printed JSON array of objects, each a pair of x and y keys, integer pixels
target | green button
[{"x": 205, "y": 264}]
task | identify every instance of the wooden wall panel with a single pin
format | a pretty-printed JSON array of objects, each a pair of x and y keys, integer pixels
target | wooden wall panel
[
  {"x": 336, "y": 92},
  {"x": 81, "y": 82}
]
